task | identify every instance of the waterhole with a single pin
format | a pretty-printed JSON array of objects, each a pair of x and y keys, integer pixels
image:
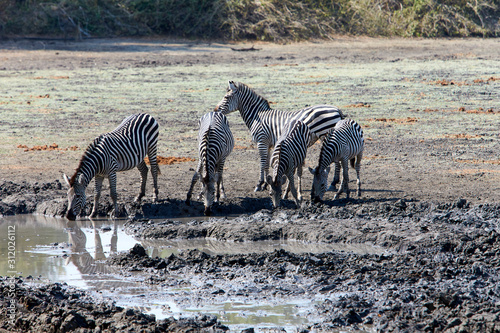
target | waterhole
[{"x": 74, "y": 252}]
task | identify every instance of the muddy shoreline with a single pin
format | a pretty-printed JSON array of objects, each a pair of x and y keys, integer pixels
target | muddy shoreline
[{"x": 436, "y": 268}]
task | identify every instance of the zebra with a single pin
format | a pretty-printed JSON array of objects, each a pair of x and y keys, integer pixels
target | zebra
[
  {"x": 289, "y": 155},
  {"x": 344, "y": 143},
  {"x": 266, "y": 125},
  {"x": 215, "y": 143},
  {"x": 122, "y": 149}
]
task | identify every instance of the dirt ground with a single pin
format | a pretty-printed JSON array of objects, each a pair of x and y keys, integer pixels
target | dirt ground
[{"x": 431, "y": 202}]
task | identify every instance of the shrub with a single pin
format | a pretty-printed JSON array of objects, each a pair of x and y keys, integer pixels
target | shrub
[{"x": 273, "y": 20}]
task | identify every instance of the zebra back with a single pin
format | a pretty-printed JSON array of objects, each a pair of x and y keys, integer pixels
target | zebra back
[
  {"x": 268, "y": 124},
  {"x": 215, "y": 141},
  {"x": 121, "y": 149},
  {"x": 291, "y": 149},
  {"x": 346, "y": 140}
]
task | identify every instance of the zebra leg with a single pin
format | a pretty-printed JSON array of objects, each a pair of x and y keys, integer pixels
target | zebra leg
[
  {"x": 155, "y": 171},
  {"x": 98, "y": 187},
  {"x": 114, "y": 195},
  {"x": 193, "y": 183},
  {"x": 264, "y": 166},
  {"x": 143, "y": 168},
  {"x": 344, "y": 185},
  {"x": 299, "y": 186},
  {"x": 292, "y": 188},
  {"x": 336, "y": 177},
  {"x": 357, "y": 166},
  {"x": 287, "y": 190},
  {"x": 220, "y": 183}
]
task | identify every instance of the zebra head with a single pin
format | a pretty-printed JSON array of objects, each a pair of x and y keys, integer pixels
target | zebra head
[
  {"x": 230, "y": 102},
  {"x": 319, "y": 183},
  {"x": 275, "y": 189},
  {"x": 76, "y": 196},
  {"x": 208, "y": 193}
]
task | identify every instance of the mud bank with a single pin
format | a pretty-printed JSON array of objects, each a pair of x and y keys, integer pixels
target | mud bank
[
  {"x": 61, "y": 308},
  {"x": 440, "y": 270},
  {"x": 435, "y": 267}
]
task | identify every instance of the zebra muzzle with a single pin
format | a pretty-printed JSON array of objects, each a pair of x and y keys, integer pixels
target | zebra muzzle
[
  {"x": 70, "y": 216},
  {"x": 316, "y": 199}
]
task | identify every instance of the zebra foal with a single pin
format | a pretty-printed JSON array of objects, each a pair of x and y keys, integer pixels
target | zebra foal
[
  {"x": 122, "y": 149},
  {"x": 215, "y": 143},
  {"x": 289, "y": 155},
  {"x": 344, "y": 143},
  {"x": 266, "y": 125}
]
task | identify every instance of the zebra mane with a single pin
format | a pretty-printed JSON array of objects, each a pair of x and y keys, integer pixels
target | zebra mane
[
  {"x": 86, "y": 154},
  {"x": 249, "y": 91},
  {"x": 321, "y": 154}
]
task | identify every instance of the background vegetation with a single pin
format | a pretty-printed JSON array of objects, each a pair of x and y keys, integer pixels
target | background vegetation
[{"x": 271, "y": 20}]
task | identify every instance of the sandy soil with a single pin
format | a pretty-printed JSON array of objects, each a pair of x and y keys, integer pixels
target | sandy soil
[{"x": 433, "y": 204}]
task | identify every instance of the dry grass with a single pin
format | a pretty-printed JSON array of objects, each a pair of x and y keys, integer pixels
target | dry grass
[{"x": 272, "y": 20}]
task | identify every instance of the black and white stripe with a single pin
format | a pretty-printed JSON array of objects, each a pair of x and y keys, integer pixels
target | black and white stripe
[
  {"x": 266, "y": 125},
  {"x": 122, "y": 149},
  {"x": 289, "y": 155},
  {"x": 344, "y": 143},
  {"x": 215, "y": 143}
]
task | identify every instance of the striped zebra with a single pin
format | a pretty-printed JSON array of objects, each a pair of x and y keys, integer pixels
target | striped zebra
[
  {"x": 215, "y": 143},
  {"x": 344, "y": 143},
  {"x": 122, "y": 149},
  {"x": 266, "y": 125},
  {"x": 289, "y": 155}
]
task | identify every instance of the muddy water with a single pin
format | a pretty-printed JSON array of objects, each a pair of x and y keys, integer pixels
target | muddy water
[{"x": 57, "y": 250}]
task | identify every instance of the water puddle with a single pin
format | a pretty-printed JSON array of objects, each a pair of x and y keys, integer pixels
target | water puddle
[{"x": 58, "y": 250}]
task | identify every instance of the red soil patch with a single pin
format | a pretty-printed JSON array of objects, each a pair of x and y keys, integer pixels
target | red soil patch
[
  {"x": 463, "y": 109},
  {"x": 358, "y": 105},
  {"x": 445, "y": 82},
  {"x": 462, "y": 136},
  {"x": 407, "y": 120},
  {"x": 51, "y": 147},
  {"x": 170, "y": 160}
]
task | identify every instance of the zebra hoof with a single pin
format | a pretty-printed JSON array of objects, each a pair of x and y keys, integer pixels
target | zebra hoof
[{"x": 258, "y": 188}]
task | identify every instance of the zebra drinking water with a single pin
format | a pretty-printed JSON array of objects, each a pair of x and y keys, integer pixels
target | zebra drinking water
[
  {"x": 215, "y": 143},
  {"x": 122, "y": 149},
  {"x": 344, "y": 143},
  {"x": 289, "y": 155},
  {"x": 266, "y": 125}
]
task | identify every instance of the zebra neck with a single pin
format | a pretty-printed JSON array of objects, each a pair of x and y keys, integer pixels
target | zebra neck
[
  {"x": 327, "y": 155},
  {"x": 87, "y": 172},
  {"x": 92, "y": 162},
  {"x": 250, "y": 111},
  {"x": 279, "y": 163}
]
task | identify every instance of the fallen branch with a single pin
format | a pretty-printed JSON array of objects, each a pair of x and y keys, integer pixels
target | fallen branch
[{"x": 246, "y": 49}]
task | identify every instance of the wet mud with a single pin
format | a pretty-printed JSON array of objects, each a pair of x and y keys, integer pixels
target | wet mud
[{"x": 434, "y": 266}]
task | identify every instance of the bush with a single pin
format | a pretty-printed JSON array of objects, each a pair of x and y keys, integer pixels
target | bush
[{"x": 272, "y": 20}]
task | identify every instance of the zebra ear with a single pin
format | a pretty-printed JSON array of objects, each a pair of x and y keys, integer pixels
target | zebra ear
[
  {"x": 66, "y": 179},
  {"x": 311, "y": 170},
  {"x": 327, "y": 170},
  {"x": 232, "y": 86}
]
